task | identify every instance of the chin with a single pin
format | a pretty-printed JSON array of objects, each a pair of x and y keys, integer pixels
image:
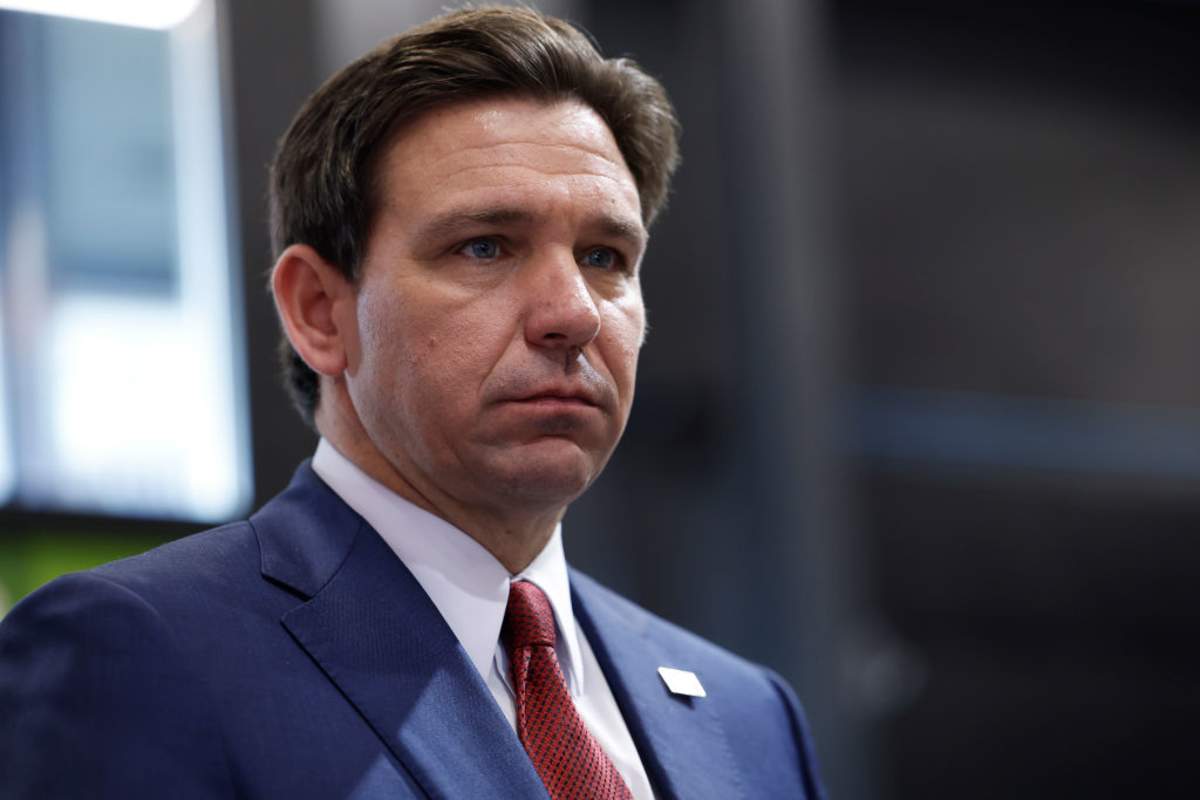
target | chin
[{"x": 546, "y": 474}]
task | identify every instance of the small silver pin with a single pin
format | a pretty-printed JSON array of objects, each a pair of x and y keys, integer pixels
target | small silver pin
[{"x": 681, "y": 681}]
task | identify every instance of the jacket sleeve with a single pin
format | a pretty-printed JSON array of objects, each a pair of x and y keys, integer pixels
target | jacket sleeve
[
  {"x": 97, "y": 700},
  {"x": 804, "y": 743}
]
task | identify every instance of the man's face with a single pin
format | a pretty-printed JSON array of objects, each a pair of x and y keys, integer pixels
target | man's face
[{"x": 499, "y": 312}]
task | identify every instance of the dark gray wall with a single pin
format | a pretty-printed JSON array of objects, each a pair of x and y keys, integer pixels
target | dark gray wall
[{"x": 1018, "y": 211}]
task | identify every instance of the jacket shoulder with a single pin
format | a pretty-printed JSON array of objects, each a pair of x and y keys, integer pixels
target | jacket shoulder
[
  {"x": 193, "y": 571},
  {"x": 92, "y": 676}
]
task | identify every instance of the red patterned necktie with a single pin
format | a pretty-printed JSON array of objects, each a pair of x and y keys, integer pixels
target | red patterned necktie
[{"x": 569, "y": 761}]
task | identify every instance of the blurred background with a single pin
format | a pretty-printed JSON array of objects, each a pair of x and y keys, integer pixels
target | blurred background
[{"x": 920, "y": 403}]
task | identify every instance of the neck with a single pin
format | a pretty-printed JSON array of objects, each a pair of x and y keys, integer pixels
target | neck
[{"x": 513, "y": 536}]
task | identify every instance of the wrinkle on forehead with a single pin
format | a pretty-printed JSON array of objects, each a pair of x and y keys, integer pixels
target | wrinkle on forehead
[
  {"x": 518, "y": 139},
  {"x": 516, "y": 151},
  {"x": 504, "y": 182},
  {"x": 529, "y": 172}
]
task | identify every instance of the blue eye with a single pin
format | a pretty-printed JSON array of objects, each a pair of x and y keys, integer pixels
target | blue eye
[
  {"x": 602, "y": 257},
  {"x": 484, "y": 249}
]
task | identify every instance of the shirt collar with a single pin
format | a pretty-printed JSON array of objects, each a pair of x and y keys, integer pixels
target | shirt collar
[{"x": 466, "y": 583}]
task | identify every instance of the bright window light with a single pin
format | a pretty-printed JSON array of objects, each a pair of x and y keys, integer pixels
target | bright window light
[
  {"x": 155, "y": 14},
  {"x": 122, "y": 384}
]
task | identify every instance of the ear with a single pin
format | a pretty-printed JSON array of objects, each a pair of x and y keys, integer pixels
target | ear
[{"x": 312, "y": 297}]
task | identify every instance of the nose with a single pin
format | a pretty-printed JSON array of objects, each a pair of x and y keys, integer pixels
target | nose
[{"x": 561, "y": 311}]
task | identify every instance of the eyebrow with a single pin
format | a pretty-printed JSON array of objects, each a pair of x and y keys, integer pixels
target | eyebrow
[
  {"x": 450, "y": 223},
  {"x": 633, "y": 233}
]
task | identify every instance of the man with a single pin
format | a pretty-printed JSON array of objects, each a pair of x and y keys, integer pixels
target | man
[{"x": 459, "y": 219}]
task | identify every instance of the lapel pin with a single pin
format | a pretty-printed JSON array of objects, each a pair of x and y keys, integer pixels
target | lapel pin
[{"x": 681, "y": 681}]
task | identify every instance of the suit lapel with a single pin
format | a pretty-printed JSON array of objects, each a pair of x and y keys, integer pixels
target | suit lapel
[
  {"x": 378, "y": 636},
  {"x": 680, "y": 739}
]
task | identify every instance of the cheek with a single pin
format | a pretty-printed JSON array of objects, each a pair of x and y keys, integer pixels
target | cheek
[
  {"x": 626, "y": 330},
  {"x": 432, "y": 354},
  {"x": 385, "y": 349},
  {"x": 386, "y": 372},
  {"x": 463, "y": 342}
]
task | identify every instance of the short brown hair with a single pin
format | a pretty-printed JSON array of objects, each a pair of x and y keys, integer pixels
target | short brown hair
[{"x": 322, "y": 179}]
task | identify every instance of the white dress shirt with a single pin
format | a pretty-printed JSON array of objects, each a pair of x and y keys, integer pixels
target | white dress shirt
[{"x": 470, "y": 589}]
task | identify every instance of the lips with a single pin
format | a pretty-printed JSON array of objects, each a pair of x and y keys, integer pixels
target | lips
[
  {"x": 578, "y": 395},
  {"x": 583, "y": 388},
  {"x": 574, "y": 393}
]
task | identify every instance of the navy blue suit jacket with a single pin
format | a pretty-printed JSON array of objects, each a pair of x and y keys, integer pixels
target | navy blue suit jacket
[{"x": 294, "y": 656}]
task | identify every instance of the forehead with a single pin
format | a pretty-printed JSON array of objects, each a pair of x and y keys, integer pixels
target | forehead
[{"x": 506, "y": 146}]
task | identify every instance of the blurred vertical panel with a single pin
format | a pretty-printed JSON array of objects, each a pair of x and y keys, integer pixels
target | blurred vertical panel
[
  {"x": 1020, "y": 190},
  {"x": 269, "y": 68},
  {"x": 14, "y": 182},
  {"x": 790, "y": 392}
]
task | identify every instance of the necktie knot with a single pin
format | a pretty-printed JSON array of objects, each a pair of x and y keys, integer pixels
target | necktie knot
[{"x": 529, "y": 618}]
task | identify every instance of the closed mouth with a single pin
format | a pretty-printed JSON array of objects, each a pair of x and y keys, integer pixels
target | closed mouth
[{"x": 551, "y": 399}]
